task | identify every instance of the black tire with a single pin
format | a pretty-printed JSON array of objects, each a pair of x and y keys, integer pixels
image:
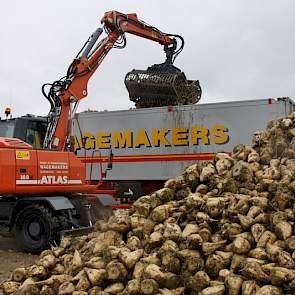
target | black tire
[{"x": 35, "y": 228}]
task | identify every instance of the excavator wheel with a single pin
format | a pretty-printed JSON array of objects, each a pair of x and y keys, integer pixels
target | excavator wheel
[{"x": 35, "y": 228}]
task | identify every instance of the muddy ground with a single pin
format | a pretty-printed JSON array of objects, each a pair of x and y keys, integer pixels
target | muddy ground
[{"x": 12, "y": 257}]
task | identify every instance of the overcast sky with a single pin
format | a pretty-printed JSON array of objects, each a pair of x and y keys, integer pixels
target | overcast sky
[{"x": 238, "y": 49}]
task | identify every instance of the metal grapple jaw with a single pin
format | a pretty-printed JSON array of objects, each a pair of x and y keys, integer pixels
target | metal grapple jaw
[{"x": 161, "y": 85}]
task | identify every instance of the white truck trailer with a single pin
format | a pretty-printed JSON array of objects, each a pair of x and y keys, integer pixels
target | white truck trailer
[{"x": 148, "y": 146}]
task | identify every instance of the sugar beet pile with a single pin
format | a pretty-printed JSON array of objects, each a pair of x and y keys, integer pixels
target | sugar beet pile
[{"x": 223, "y": 227}]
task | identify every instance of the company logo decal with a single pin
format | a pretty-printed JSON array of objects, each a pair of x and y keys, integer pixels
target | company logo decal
[
  {"x": 48, "y": 179},
  {"x": 164, "y": 137}
]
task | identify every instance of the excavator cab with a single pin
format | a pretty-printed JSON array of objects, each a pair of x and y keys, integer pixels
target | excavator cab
[{"x": 29, "y": 128}]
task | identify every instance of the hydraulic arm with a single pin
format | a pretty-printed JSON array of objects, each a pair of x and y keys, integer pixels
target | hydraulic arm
[{"x": 65, "y": 93}]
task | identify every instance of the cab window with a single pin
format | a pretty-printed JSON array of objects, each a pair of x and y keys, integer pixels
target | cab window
[
  {"x": 36, "y": 133},
  {"x": 7, "y": 128}
]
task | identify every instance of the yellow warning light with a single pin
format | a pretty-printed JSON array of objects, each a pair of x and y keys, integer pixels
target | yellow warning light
[{"x": 7, "y": 112}]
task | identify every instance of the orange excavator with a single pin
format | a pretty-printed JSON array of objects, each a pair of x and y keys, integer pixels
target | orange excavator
[{"x": 42, "y": 190}]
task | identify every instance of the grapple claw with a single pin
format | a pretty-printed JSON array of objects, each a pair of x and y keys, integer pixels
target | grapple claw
[{"x": 161, "y": 85}]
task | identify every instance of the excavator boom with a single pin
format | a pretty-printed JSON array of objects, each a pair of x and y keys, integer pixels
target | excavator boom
[{"x": 161, "y": 84}]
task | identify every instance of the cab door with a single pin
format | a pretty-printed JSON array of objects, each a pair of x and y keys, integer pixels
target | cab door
[{"x": 35, "y": 133}]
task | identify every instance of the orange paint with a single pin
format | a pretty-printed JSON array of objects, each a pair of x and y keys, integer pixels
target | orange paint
[{"x": 26, "y": 171}]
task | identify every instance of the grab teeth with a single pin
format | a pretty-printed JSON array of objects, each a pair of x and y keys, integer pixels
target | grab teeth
[{"x": 161, "y": 85}]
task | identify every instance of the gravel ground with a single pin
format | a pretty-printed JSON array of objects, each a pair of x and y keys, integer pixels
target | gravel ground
[{"x": 12, "y": 257}]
